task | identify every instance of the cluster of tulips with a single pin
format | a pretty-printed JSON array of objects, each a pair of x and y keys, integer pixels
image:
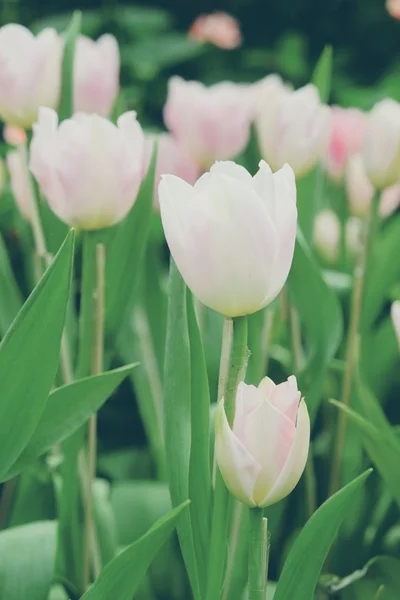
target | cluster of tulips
[{"x": 231, "y": 234}]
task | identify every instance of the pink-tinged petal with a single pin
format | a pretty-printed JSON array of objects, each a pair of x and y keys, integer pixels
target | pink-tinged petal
[
  {"x": 238, "y": 468},
  {"x": 263, "y": 183},
  {"x": 268, "y": 436},
  {"x": 295, "y": 462},
  {"x": 286, "y": 398},
  {"x": 267, "y": 386},
  {"x": 395, "y": 314}
]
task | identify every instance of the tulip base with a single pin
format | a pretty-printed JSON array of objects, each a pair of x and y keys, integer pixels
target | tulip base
[{"x": 258, "y": 554}]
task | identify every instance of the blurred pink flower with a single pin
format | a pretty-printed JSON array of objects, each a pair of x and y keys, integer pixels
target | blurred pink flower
[
  {"x": 346, "y": 139},
  {"x": 217, "y": 28},
  {"x": 393, "y": 8},
  {"x": 96, "y": 75},
  {"x": 21, "y": 185},
  {"x": 172, "y": 159},
  {"x": 213, "y": 123},
  {"x": 14, "y": 135}
]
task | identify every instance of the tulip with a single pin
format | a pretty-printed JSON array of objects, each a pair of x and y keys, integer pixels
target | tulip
[
  {"x": 393, "y": 8},
  {"x": 292, "y": 127},
  {"x": 327, "y": 234},
  {"x": 89, "y": 170},
  {"x": 262, "y": 457},
  {"x": 213, "y": 123},
  {"x": 29, "y": 73},
  {"x": 390, "y": 200},
  {"x": 346, "y": 139},
  {"x": 14, "y": 135},
  {"x": 217, "y": 28},
  {"x": 172, "y": 159},
  {"x": 395, "y": 314},
  {"x": 96, "y": 75},
  {"x": 381, "y": 146},
  {"x": 21, "y": 185},
  {"x": 232, "y": 236}
]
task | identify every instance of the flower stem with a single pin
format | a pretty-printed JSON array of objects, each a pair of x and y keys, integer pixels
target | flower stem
[
  {"x": 97, "y": 356},
  {"x": 233, "y": 363},
  {"x": 258, "y": 554},
  {"x": 360, "y": 273}
]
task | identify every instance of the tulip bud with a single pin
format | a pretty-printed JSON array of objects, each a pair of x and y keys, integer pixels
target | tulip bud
[
  {"x": 96, "y": 75},
  {"x": 232, "y": 236},
  {"x": 346, "y": 139},
  {"x": 14, "y": 135},
  {"x": 389, "y": 201},
  {"x": 212, "y": 123},
  {"x": 30, "y": 69},
  {"x": 217, "y": 28},
  {"x": 393, "y": 8},
  {"x": 21, "y": 185},
  {"x": 395, "y": 314},
  {"x": 172, "y": 159},
  {"x": 89, "y": 170},
  {"x": 293, "y": 127},
  {"x": 359, "y": 189},
  {"x": 327, "y": 234},
  {"x": 262, "y": 457},
  {"x": 381, "y": 146},
  {"x": 354, "y": 235}
]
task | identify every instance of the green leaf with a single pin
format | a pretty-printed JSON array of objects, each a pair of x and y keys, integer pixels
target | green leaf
[
  {"x": 323, "y": 328},
  {"x": 126, "y": 253},
  {"x": 379, "y": 572},
  {"x": 29, "y": 356},
  {"x": 10, "y": 297},
  {"x": 199, "y": 470},
  {"x": 27, "y": 560},
  {"x": 177, "y": 415},
  {"x": 382, "y": 447},
  {"x": 300, "y": 573},
  {"x": 66, "y": 107},
  {"x": 123, "y": 575},
  {"x": 105, "y": 520},
  {"x": 67, "y": 409},
  {"x": 322, "y": 76}
]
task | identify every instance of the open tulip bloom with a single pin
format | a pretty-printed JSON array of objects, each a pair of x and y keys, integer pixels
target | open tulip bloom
[
  {"x": 263, "y": 456},
  {"x": 231, "y": 235}
]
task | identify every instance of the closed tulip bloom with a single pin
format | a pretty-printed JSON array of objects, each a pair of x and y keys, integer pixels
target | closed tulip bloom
[
  {"x": 393, "y": 8},
  {"x": 262, "y": 457},
  {"x": 359, "y": 189},
  {"x": 293, "y": 127},
  {"x": 231, "y": 235},
  {"x": 381, "y": 146},
  {"x": 217, "y": 28},
  {"x": 395, "y": 314},
  {"x": 21, "y": 184},
  {"x": 346, "y": 139},
  {"x": 172, "y": 159},
  {"x": 89, "y": 170},
  {"x": 327, "y": 234},
  {"x": 29, "y": 73},
  {"x": 390, "y": 200},
  {"x": 96, "y": 74},
  {"x": 213, "y": 123}
]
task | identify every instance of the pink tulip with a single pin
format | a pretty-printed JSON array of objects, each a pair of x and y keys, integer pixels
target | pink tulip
[
  {"x": 213, "y": 123},
  {"x": 346, "y": 139},
  {"x": 390, "y": 200},
  {"x": 232, "y": 235},
  {"x": 29, "y": 73},
  {"x": 172, "y": 159},
  {"x": 393, "y": 8},
  {"x": 263, "y": 456},
  {"x": 14, "y": 135},
  {"x": 327, "y": 234},
  {"x": 395, "y": 314},
  {"x": 96, "y": 75},
  {"x": 21, "y": 184},
  {"x": 293, "y": 127},
  {"x": 89, "y": 170},
  {"x": 217, "y": 28}
]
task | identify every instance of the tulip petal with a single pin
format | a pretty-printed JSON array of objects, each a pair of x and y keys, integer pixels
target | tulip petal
[
  {"x": 286, "y": 398},
  {"x": 295, "y": 462},
  {"x": 267, "y": 386},
  {"x": 238, "y": 468},
  {"x": 230, "y": 169},
  {"x": 263, "y": 183}
]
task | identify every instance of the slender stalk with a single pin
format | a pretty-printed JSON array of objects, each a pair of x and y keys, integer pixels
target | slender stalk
[
  {"x": 258, "y": 554},
  {"x": 97, "y": 357},
  {"x": 232, "y": 368},
  {"x": 360, "y": 274}
]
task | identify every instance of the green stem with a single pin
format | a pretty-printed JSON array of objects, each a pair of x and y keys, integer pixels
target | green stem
[
  {"x": 97, "y": 358},
  {"x": 86, "y": 313},
  {"x": 258, "y": 554},
  {"x": 359, "y": 279},
  {"x": 232, "y": 369}
]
